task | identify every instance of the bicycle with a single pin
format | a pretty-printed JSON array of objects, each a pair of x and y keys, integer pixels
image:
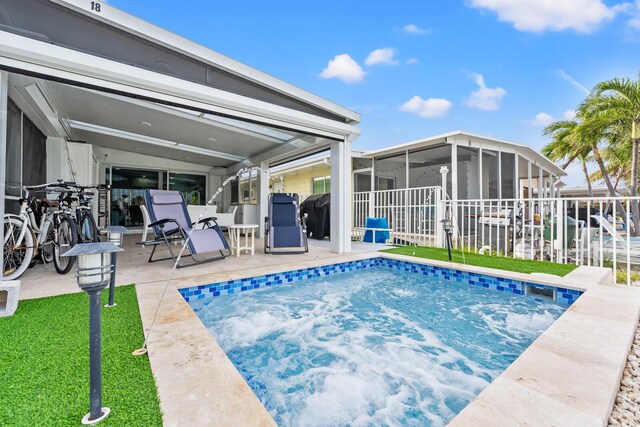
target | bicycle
[
  {"x": 87, "y": 227},
  {"x": 26, "y": 235},
  {"x": 66, "y": 232}
]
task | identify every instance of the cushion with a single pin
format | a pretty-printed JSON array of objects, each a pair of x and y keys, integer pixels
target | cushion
[{"x": 381, "y": 236}]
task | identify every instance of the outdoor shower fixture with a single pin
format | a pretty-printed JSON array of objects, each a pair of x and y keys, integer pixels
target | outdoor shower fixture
[
  {"x": 115, "y": 235},
  {"x": 447, "y": 225},
  {"x": 94, "y": 272}
]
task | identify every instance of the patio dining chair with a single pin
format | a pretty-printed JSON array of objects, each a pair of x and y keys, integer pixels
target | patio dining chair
[
  {"x": 284, "y": 229},
  {"x": 171, "y": 222}
]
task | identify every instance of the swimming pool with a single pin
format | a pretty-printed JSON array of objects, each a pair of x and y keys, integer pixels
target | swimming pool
[{"x": 384, "y": 342}]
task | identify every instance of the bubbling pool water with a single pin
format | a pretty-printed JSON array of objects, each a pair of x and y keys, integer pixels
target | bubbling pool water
[{"x": 372, "y": 347}]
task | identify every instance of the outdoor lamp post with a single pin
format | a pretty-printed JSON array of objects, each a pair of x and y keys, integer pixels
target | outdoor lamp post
[
  {"x": 115, "y": 235},
  {"x": 94, "y": 271},
  {"x": 447, "y": 225}
]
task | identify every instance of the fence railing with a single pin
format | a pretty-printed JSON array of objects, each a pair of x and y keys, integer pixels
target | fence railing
[
  {"x": 582, "y": 231},
  {"x": 412, "y": 213}
]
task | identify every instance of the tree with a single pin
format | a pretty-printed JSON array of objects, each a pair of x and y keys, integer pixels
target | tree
[
  {"x": 564, "y": 147},
  {"x": 575, "y": 139},
  {"x": 616, "y": 103}
]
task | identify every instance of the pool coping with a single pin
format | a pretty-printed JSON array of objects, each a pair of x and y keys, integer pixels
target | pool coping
[{"x": 566, "y": 376}]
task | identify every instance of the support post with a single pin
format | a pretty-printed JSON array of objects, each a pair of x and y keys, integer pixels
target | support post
[
  {"x": 4, "y": 94},
  {"x": 112, "y": 283},
  {"x": 480, "y": 175},
  {"x": 516, "y": 173},
  {"x": 263, "y": 195},
  {"x": 441, "y": 207},
  {"x": 540, "y": 186},
  {"x": 454, "y": 170},
  {"x": 95, "y": 356},
  {"x": 340, "y": 196},
  {"x": 499, "y": 173}
]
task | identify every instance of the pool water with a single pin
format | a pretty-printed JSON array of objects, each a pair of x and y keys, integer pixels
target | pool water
[{"x": 372, "y": 347}]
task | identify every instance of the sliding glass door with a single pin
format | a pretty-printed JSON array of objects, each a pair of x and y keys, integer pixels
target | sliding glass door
[
  {"x": 129, "y": 184},
  {"x": 192, "y": 187},
  {"x": 127, "y": 192}
]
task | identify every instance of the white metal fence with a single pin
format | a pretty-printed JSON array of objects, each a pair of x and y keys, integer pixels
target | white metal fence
[
  {"x": 411, "y": 213},
  {"x": 583, "y": 231}
]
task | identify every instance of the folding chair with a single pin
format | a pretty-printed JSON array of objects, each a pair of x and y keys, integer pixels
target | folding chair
[
  {"x": 171, "y": 222},
  {"x": 283, "y": 227}
]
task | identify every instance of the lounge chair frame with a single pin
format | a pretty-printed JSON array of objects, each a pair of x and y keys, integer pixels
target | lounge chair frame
[
  {"x": 300, "y": 222},
  {"x": 177, "y": 233}
]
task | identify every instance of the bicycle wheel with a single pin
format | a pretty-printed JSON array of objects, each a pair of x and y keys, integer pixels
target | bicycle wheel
[
  {"x": 88, "y": 229},
  {"x": 67, "y": 237},
  {"x": 46, "y": 249},
  {"x": 16, "y": 257}
]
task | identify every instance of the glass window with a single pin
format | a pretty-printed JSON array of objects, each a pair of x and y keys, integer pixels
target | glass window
[
  {"x": 489, "y": 174},
  {"x": 14, "y": 150},
  {"x": 424, "y": 167},
  {"x": 192, "y": 187},
  {"x": 391, "y": 171},
  {"x": 468, "y": 173},
  {"x": 127, "y": 194},
  {"x": 386, "y": 183},
  {"x": 247, "y": 187},
  {"x": 361, "y": 163},
  {"x": 507, "y": 164},
  {"x": 362, "y": 181},
  {"x": 235, "y": 191},
  {"x": 322, "y": 185},
  {"x": 34, "y": 159}
]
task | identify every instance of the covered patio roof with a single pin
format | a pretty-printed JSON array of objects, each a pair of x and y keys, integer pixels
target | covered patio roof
[
  {"x": 467, "y": 138},
  {"x": 95, "y": 74},
  {"x": 233, "y": 112}
]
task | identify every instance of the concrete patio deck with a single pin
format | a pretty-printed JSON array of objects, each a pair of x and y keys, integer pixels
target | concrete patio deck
[{"x": 133, "y": 267}]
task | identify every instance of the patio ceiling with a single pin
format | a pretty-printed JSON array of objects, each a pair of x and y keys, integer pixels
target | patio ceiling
[{"x": 128, "y": 124}]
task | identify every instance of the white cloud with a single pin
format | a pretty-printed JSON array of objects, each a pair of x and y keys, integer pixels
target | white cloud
[
  {"x": 634, "y": 11},
  {"x": 431, "y": 108},
  {"x": 485, "y": 98},
  {"x": 542, "y": 119},
  {"x": 414, "y": 29},
  {"x": 412, "y": 61},
  {"x": 556, "y": 15},
  {"x": 573, "y": 81},
  {"x": 345, "y": 68},
  {"x": 385, "y": 56},
  {"x": 569, "y": 114}
]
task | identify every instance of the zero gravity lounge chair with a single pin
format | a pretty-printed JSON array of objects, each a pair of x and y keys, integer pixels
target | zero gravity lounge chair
[
  {"x": 170, "y": 222},
  {"x": 283, "y": 228}
]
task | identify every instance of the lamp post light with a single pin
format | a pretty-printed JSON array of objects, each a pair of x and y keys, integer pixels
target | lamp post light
[
  {"x": 115, "y": 235},
  {"x": 447, "y": 225},
  {"x": 94, "y": 271}
]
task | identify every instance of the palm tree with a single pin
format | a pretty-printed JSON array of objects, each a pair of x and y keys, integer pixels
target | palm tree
[
  {"x": 564, "y": 147},
  {"x": 616, "y": 103},
  {"x": 576, "y": 139}
]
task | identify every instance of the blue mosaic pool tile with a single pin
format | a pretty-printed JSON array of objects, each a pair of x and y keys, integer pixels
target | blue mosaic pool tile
[{"x": 498, "y": 284}]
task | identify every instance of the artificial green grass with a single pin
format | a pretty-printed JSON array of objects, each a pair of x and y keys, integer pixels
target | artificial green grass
[
  {"x": 44, "y": 363},
  {"x": 501, "y": 263}
]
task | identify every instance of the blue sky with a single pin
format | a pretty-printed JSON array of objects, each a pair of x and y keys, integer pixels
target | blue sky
[{"x": 502, "y": 68}]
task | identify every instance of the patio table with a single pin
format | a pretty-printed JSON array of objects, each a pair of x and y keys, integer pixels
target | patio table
[{"x": 235, "y": 236}]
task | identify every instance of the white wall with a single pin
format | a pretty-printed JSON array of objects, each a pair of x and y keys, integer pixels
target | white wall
[{"x": 70, "y": 161}]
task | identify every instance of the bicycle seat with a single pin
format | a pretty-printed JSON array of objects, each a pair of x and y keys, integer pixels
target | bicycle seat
[{"x": 48, "y": 203}]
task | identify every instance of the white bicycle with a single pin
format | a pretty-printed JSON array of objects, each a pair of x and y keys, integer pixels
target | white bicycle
[{"x": 49, "y": 236}]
